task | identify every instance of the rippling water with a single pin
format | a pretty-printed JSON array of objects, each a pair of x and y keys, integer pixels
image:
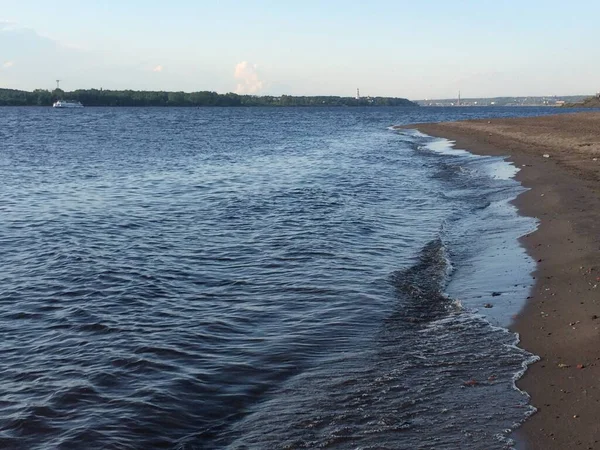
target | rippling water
[{"x": 255, "y": 278}]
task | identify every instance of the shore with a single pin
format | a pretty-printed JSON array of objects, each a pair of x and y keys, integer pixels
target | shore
[{"x": 559, "y": 158}]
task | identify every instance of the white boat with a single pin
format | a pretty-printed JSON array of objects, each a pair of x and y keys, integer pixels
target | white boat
[{"x": 67, "y": 104}]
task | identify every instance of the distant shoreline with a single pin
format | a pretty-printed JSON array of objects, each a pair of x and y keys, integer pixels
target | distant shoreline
[
  {"x": 559, "y": 161},
  {"x": 101, "y": 97},
  {"x": 219, "y": 106},
  {"x": 531, "y": 100}
]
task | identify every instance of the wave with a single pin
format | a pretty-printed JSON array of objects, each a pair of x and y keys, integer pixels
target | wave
[{"x": 423, "y": 285}]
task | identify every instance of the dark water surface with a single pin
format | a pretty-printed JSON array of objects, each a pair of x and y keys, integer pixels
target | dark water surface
[{"x": 254, "y": 279}]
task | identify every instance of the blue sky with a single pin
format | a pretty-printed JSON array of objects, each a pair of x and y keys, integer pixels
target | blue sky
[{"x": 426, "y": 49}]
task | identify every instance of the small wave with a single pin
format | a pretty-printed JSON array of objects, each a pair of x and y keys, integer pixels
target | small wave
[
  {"x": 98, "y": 328},
  {"x": 423, "y": 284}
]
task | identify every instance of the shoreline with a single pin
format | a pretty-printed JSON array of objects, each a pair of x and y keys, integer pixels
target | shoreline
[{"x": 560, "y": 321}]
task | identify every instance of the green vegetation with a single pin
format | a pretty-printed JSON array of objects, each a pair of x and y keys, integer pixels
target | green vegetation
[
  {"x": 99, "y": 97},
  {"x": 11, "y": 97}
]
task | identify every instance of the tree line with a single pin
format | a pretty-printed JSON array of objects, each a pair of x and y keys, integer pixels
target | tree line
[{"x": 101, "y": 97}]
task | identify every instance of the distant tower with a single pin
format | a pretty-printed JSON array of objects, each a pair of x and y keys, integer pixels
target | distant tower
[
  {"x": 458, "y": 104},
  {"x": 357, "y": 94},
  {"x": 57, "y": 84}
]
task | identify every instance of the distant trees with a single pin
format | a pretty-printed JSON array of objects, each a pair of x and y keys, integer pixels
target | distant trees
[
  {"x": 12, "y": 97},
  {"x": 100, "y": 97},
  {"x": 42, "y": 97}
]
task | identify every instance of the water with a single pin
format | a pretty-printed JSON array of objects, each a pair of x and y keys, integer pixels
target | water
[{"x": 256, "y": 278}]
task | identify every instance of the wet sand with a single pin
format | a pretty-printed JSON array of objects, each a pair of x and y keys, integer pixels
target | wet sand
[{"x": 561, "y": 320}]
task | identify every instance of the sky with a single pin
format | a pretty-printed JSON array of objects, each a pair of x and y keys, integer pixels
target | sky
[{"x": 413, "y": 49}]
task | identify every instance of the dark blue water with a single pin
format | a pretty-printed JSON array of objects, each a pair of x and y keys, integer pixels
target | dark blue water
[{"x": 255, "y": 278}]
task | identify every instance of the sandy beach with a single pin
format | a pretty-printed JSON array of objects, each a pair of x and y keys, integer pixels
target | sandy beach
[{"x": 559, "y": 158}]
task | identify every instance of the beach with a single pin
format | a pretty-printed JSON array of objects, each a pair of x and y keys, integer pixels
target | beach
[{"x": 559, "y": 161}]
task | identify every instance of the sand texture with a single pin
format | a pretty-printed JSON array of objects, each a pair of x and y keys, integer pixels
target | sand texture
[{"x": 561, "y": 321}]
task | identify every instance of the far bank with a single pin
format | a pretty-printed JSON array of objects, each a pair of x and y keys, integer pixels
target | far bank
[{"x": 104, "y": 97}]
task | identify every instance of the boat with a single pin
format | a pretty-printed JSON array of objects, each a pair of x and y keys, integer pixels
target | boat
[{"x": 66, "y": 104}]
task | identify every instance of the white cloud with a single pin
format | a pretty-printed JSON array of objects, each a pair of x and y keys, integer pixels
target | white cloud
[
  {"x": 8, "y": 64},
  {"x": 248, "y": 79},
  {"x": 158, "y": 68}
]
